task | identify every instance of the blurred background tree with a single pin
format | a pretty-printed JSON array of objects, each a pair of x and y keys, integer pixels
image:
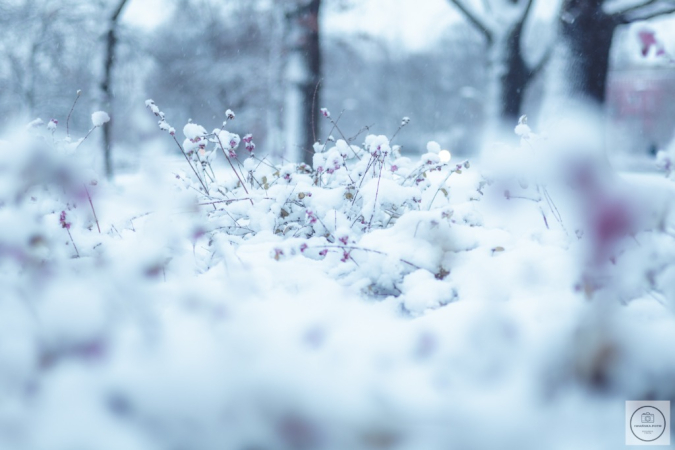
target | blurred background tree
[
  {"x": 48, "y": 51},
  {"x": 502, "y": 24},
  {"x": 264, "y": 59},
  {"x": 303, "y": 73},
  {"x": 107, "y": 81},
  {"x": 587, "y": 31}
]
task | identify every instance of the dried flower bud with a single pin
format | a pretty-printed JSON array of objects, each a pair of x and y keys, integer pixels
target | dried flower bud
[{"x": 62, "y": 220}]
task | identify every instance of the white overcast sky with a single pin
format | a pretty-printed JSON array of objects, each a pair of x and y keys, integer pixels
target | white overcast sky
[
  {"x": 406, "y": 24},
  {"x": 412, "y": 24}
]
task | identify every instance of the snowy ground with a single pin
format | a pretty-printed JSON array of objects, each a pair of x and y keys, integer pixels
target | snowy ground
[{"x": 475, "y": 324}]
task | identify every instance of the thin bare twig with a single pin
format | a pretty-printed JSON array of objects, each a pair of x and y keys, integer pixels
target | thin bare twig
[
  {"x": 377, "y": 191},
  {"x": 363, "y": 249},
  {"x": 440, "y": 186},
  {"x": 365, "y": 172},
  {"x": 231, "y": 165},
  {"x": 314, "y": 109},
  {"x": 230, "y": 200},
  {"x": 92, "y": 207},
  {"x": 190, "y": 163},
  {"x": 71, "y": 112},
  {"x": 84, "y": 138},
  {"x": 365, "y": 128},
  {"x": 475, "y": 21},
  {"x": 73, "y": 241}
]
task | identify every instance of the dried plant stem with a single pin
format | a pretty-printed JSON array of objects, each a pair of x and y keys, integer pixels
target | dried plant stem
[
  {"x": 441, "y": 185},
  {"x": 400, "y": 127},
  {"x": 377, "y": 191},
  {"x": 365, "y": 128},
  {"x": 336, "y": 127},
  {"x": 230, "y": 200},
  {"x": 70, "y": 113},
  {"x": 191, "y": 166},
  {"x": 92, "y": 208},
  {"x": 232, "y": 166},
  {"x": 84, "y": 138},
  {"x": 316, "y": 89},
  {"x": 71, "y": 240},
  {"x": 365, "y": 172},
  {"x": 367, "y": 250}
]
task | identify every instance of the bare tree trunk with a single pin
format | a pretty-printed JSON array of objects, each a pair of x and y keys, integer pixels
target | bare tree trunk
[
  {"x": 106, "y": 84},
  {"x": 587, "y": 32},
  {"x": 515, "y": 78},
  {"x": 303, "y": 73},
  {"x": 509, "y": 74},
  {"x": 275, "y": 82},
  {"x": 311, "y": 90}
]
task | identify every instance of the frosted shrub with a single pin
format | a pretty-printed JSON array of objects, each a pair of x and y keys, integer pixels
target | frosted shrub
[
  {"x": 326, "y": 210},
  {"x": 47, "y": 183}
]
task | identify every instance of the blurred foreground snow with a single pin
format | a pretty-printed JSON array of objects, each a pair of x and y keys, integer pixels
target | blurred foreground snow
[{"x": 480, "y": 321}]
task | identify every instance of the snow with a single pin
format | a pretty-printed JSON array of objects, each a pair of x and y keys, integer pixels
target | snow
[
  {"x": 360, "y": 308},
  {"x": 35, "y": 123},
  {"x": 193, "y": 131},
  {"x": 433, "y": 147},
  {"x": 99, "y": 118}
]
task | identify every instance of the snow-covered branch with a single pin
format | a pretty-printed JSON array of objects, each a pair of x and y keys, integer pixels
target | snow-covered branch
[
  {"x": 644, "y": 11},
  {"x": 526, "y": 12}
]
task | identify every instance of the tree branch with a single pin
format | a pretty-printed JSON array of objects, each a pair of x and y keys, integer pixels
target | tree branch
[
  {"x": 475, "y": 21},
  {"x": 632, "y": 14},
  {"x": 630, "y": 9},
  {"x": 487, "y": 6},
  {"x": 534, "y": 71},
  {"x": 654, "y": 14},
  {"x": 118, "y": 11},
  {"x": 526, "y": 12}
]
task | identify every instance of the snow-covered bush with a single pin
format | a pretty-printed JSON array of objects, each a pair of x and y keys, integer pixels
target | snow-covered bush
[{"x": 338, "y": 209}]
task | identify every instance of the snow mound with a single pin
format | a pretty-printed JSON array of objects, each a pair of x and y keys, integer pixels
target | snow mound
[{"x": 99, "y": 118}]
